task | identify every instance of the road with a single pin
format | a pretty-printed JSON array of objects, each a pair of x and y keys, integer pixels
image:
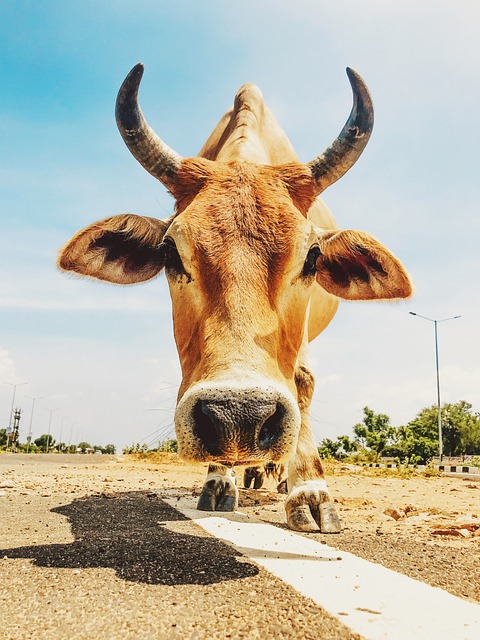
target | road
[{"x": 91, "y": 549}]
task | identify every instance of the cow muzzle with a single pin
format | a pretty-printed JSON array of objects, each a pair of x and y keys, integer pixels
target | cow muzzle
[{"x": 237, "y": 425}]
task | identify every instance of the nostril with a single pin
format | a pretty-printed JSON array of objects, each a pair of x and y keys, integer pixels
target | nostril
[
  {"x": 205, "y": 428},
  {"x": 247, "y": 425},
  {"x": 271, "y": 429}
]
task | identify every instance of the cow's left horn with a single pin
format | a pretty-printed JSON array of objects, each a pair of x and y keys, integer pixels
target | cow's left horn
[
  {"x": 152, "y": 153},
  {"x": 347, "y": 148}
]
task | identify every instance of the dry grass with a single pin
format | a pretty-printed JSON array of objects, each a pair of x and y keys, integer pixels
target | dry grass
[
  {"x": 331, "y": 467},
  {"x": 155, "y": 457}
]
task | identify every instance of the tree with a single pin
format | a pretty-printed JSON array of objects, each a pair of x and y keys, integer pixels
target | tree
[
  {"x": 83, "y": 446},
  {"x": 42, "y": 441},
  {"x": 109, "y": 449},
  {"x": 418, "y": 440},
  {"x": 460, "y": 431},
  {"x": 340, "y": 448},
  {"x": 349, "y": 446},
  {"x": 328, "y": 448},
  {"x": 375, "y": 432},
  {"x": 3, "y": 437}
]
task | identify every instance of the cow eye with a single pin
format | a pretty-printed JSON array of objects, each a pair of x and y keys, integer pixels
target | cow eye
[
  {"x": 173, "y": 262},
  {"x": 310, "y": 266}
]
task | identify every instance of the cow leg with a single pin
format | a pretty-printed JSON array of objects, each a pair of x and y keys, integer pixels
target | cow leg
[
  {"x": 282, "y": 479},
  {"x": 309, "y": 505},
  {"x": 219, "y": 492},
  {"x": 255, "y": 475},
  {"x": 270, "y": 470},
  {"x": 278, "y": 472}
]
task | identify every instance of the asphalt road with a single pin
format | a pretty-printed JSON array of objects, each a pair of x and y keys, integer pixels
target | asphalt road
[
  {"x": 79, "y": 562},
  {"x": 89, "y": 550}
]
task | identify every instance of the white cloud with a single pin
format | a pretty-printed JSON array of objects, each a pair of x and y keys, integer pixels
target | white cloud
[
  {"x": 103, "y": 389},
  {"x": 8, "y": 377},
  {"x": 36, "y": 285},
  {"x": 7, "y": 367},
  {"x": 332, "y": 378},
  {"x": 459, "y": 384}
]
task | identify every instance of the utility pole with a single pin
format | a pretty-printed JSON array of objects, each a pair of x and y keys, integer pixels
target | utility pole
[
  {"x": 16, "y": 429},
  {"x": 18, "y": 384}
]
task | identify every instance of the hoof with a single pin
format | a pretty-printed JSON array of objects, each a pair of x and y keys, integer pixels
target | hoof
[
  {"x": 255, "y": 474},
  {"x": 282, "y": 487},
  {"x": 329, "y": 520},
  {"x": 219, "y": 493},
  {"x": 310, "y": 508}
]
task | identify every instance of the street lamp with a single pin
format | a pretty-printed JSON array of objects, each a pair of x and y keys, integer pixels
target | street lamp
[
  {"x": 49, "y": 426},
  {"x": 436, "y": 322},
  {"x": 61, "y": 430},
  {"x": 29, "y": 438},
  {"x": 71, "y": 432}
]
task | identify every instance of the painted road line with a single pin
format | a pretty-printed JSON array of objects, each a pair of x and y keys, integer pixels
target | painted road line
[{"x": 375, "y": 602}]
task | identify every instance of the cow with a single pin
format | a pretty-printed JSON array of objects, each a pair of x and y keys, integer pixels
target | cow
[{"x": 256, "y": 266}]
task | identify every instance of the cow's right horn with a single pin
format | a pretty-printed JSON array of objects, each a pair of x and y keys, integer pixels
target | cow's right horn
[
  {"x": 152, "y": 153},
  {"x": 340, "y": 156}
]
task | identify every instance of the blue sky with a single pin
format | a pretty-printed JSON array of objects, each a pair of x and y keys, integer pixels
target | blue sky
[{"x": 104, "y": 356}]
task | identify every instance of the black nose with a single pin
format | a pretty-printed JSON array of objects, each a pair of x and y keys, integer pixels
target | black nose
[{"x": 246, "y": 425}]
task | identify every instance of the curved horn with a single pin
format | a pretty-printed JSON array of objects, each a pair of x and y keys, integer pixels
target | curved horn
[
  {"x": 152, "y": 153},
  {"x": 347, "y": 148}
]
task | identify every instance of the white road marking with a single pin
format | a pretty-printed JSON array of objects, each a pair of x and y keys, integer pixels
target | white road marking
[{"x": 373, "y": 601}]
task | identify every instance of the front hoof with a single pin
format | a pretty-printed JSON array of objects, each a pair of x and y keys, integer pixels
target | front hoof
[
  {"x": 310, "y": 508},
  {"x": 218, "y": 494}
]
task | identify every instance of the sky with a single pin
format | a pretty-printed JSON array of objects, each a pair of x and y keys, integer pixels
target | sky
[{"x": 101, "y": 359}]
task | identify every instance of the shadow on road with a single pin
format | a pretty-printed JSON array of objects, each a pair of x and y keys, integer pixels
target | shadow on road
[{"x": 130, "y": 533}]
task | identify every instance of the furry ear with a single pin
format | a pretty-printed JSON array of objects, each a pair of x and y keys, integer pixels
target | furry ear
[
  {"x": 353, "y": 265},
  {"x": 123, "y": 249}
]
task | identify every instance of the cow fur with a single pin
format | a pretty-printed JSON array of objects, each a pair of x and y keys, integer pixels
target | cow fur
[{"x": 246, "y": 216}]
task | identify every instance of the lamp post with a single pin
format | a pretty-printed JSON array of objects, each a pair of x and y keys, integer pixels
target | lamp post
[
  {"x": 436, "y": 322},
  {"x": 49, "y": 427},
  {"x": 29, "y": 438},
  {"x": 61, "y": 430},
  {"x": 70, "y": 439}
]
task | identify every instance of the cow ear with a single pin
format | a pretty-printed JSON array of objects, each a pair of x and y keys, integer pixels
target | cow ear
[
  {"x": 123, "y": 249},
  {"x": 353, "y": 265}
]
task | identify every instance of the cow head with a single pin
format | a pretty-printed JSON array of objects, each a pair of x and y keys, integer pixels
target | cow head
[{"x": 241, "y": 259}]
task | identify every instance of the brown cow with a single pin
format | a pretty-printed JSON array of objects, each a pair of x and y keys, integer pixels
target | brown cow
[{"x": 255, "y": 266}]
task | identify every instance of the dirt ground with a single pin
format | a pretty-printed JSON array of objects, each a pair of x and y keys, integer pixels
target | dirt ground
[
  {"x": 428, "y": 528},
  {"x": 89, "y": 549},
  {"x": 443, "y": 510}
]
